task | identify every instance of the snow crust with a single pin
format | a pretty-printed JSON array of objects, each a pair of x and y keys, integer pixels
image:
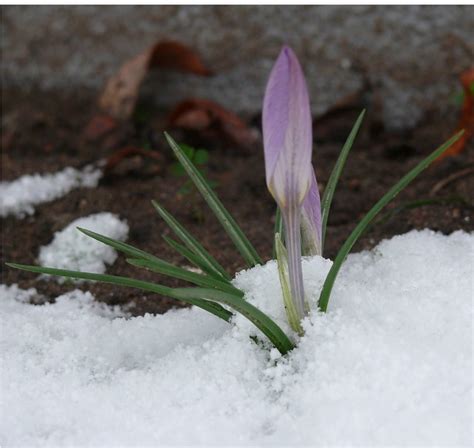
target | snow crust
[
  {"x": 71, "y": 249},
  {"x": 20, "y": 196},
  {"x": 389, "y": 364}
]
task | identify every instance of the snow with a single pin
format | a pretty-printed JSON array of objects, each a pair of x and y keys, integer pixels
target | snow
[
  {"x": 71, "y": 249},
  {"x": 389, "y": 364},
  {"x": 20, "y": 196}
]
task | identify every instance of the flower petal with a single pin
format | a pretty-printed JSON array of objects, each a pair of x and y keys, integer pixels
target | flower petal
[
  {"x": 311, "y": 220},
  {"x": 287, "y": 131}
]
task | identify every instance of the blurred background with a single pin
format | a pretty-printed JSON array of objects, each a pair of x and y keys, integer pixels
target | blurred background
[
  {"x": 409, "y": 55},
  {"x": 98, "y": 85}
]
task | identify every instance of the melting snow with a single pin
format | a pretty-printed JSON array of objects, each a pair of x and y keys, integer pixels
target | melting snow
[
  {"x": 21, "y": 195},
  {"x": 390, "y": 363},
  {"x": 71, "y": 249}
]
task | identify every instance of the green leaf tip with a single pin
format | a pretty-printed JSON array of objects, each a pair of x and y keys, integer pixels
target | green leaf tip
[
  {"x": 331, "y": 185},
  {"x": 372, "y": 213},
  {"x": 235, "y": 233},
  {"x": 206, "y": 261}
]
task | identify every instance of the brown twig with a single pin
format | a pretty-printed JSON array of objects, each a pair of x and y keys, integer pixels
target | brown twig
[{"x": 451, "y": 178}]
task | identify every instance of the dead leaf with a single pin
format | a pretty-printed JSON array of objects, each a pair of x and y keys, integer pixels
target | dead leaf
[
  {"x": 129, "y": 151},
  {"x": 176, "y": 56},
  {"x": 466, "y": 121},
  {"x": 99, "y": 126},
  {"x": 120, "y": 94},
  {"x": 211, "y": 119},
  {"x": 105, "y": 132}
]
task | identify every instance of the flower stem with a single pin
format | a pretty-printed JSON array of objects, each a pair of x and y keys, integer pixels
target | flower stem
[
  {"x": 292, "y": 221},
  {"x": 282, "y": 261}
]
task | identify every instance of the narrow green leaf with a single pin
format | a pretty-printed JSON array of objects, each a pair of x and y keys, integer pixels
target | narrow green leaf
[
  {"x": 231, "y": 227},
  {"x": 196, "y": 260},
  {"x": 206, "y": 305},
  {"x": 334, "y": 177},
  {"x": 364, "y": 223},
  {"x": 120, "y": 245},
  {"x": 207, "y": 299},
  {"x": 157, "y": 264},
  {"x": 212, "y": 265},
  {"x": 278, "y": 228},
  {"x": 282, "y": 262},
  {"x": 264, "y": 323},
  {"x": 193, "y": 277}
]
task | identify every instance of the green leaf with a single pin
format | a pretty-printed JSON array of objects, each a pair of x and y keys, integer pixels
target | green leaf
[
  {"x": 209, "y": 306},
  {"x": 233, "y": 230},
  {"x": 157, "y": 264},
  {"x": 196, "y": 260},
  {"x": 365, "y": 222},
  {"x": 264, "y": 323},
  {"x": 207, "y": 299},
  {"x": 212, "y": 184},
  {"x": 212, "y": 266},
  {"x": 181, "y": 273},
  {"x": 278, "y": 228},
  {"x": 177, "y": 170},
  {"x": 201, "y": 157},
  {"x": 121, "y": 246},
  {"x": 282, "y": 262},
  {"x": 334, "y": 177},
  {"x": 188, "y": 150}
]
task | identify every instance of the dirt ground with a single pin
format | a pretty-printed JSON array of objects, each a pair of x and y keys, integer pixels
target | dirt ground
[{"x": 41, "y": 132}]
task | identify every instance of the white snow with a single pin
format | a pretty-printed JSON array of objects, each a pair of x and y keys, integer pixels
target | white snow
[
  {"x": 389, "y": 364},
  {"x": 71, "y": 249},
  {"x": 20, "y": 196}
]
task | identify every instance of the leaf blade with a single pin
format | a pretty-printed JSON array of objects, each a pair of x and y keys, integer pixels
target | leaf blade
[
  {"x": 277, "y": 229},
  {"x": 264, "y": 323},
  {"x": 193, "y": 277},
  {"x": 282, "y": 263},
  {"x": 334, "y": 177},
  {"x": 196, "y": 296},
  {"x": 127, "y": 282},
  {"x": 372, "y": 213},
  {"x": 235, "y": 233},
  {"x": 156, "y": 264},
  {"x": 211, "y": 264},
  {"x": 190, "y": 256}
]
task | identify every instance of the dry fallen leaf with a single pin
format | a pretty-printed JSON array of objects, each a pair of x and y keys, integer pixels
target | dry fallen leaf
[
  {"x": 121, "y": 90},
  {"x": 176, "y": 56},
  {"x": 210, "y": 118},
  {"x": 129, "y": 151},
  {"x": 466, "y": 121},
  {"x": 99, "y": 126}
]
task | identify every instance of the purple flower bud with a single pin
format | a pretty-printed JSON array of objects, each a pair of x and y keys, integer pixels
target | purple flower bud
[
  {"x": 311, "y": 220},
  {"x": 287, "y": 137},
  {"x": 287, "y": 131}
]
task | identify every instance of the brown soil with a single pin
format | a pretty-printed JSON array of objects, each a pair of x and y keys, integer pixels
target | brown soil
[{"x": 41, "y": 132}]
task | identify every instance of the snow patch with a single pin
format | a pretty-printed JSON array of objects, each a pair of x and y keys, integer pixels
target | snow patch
[
  {"x": 21, "y": 195},
  {"x": 389, "y": 364},
  {"x": 69, "y": 303},
  {"x": 71, "y": 249}
]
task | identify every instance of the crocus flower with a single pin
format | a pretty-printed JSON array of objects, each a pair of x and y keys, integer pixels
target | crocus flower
[{"x": 287, "y": 135}]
